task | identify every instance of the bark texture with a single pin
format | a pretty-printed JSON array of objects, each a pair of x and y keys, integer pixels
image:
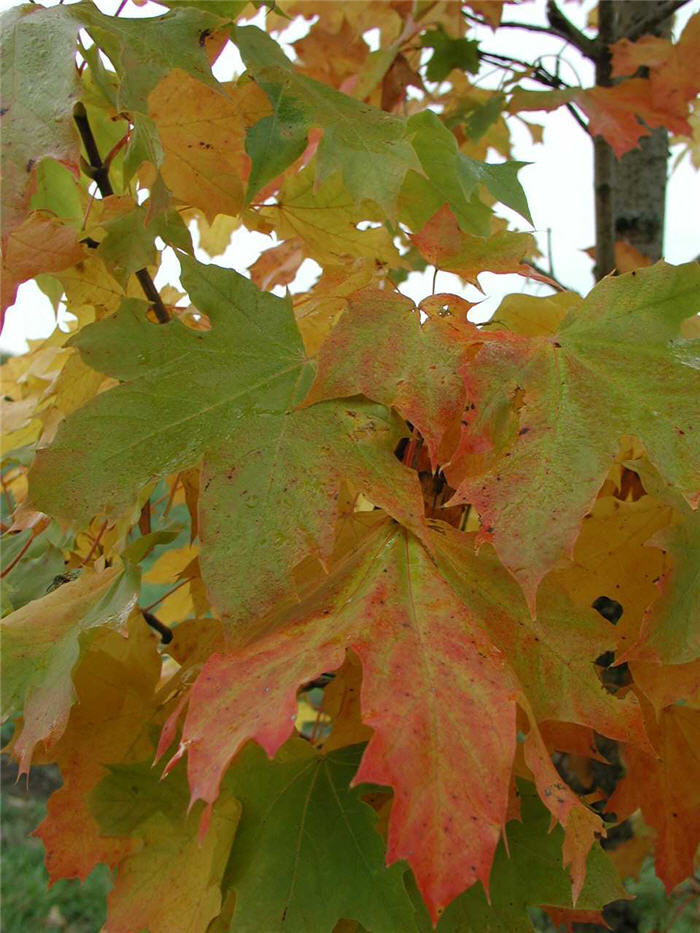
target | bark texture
[{"x": 630, "y": 192}]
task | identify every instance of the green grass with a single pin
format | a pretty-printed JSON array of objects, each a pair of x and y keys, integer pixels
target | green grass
[{"x": 27, "y": 901}]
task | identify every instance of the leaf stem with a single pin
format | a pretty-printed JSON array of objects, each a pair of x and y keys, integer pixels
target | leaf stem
[
  {"x": 95, "y": 543},
  {"x": 165, "y": 595},
  {"x": 96, "y": 169},
  {"x": 166, "y": 633}
]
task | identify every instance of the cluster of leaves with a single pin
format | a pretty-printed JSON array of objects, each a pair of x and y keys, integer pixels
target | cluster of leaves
[{"x": 398, "y": 552}]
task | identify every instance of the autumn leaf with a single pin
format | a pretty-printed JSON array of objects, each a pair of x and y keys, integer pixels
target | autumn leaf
[
  {"x": 455, "y": 698},
  {"x": 327, "y": 221},
  {"x": 667, "y": 788},
  {"x": 40, "y": 87},
  {"x": 380, "y": 349},
  {"x": 41, "y": 645},
  {"x": 537, "y": 431},
  {"x": 132, "y": 805},
  {"x": 444, "y": 245},
  {"x": 115, "y": 683},
  {"x": 203, "y": 133},
  {"x": 670, "y": 630},
  {"x": 353, "y": 133},
  {"x": 527, "y": 873},
  {"x": 257, "y": 448},
  {"x": 553, "y": 654},
  {"x": 39, "y": 244}
]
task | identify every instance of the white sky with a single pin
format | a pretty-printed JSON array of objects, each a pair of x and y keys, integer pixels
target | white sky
[{"x": 558, "y": 184}]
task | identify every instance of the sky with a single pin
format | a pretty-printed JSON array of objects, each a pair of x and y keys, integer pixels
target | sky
[{"x": 558, "y": 183}]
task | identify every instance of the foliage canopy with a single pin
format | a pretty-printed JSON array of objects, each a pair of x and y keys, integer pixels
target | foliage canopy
[{"x": 444, "y": 575}]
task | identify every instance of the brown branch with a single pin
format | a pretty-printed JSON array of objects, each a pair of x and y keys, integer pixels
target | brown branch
[
  {"x": 96, "y": 169},
  {"x": 565, "y": 29},
  {"x": 539, "y": 74},
  {"x": 648, "y": 24}
]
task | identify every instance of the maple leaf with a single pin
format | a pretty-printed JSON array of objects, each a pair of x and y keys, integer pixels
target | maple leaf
[
  {"x": 353, "y": 133},
  {"x": 326, "y": 220},
  {"x": 182, "y": 399},
  {"x": 306, "y": 852},
  {"x": 455, "y": 179},
  {"x": 666, "y": 684},
  {"x": 40, "y": 87},
  {"x": 278, "y": 265},
  {"x": 613, "y": 557},
  {"x": 39, "y": 562},
  {"x": 143, "y": 52},
  {"x": 670, "y": 629},
  {"x": 380, "y": 349},
  {"x": 130, "y": 234},
  {"x": 41, "y": 645},
  {"x": 613, "y": 113},
  {"x": 446, "y": 247},
  {"x": 534, "y": 398},
  {"x": 202, "y": 133},
  {"x": 130, "y": 802},
  {"x": 553, "y": 654},
  {"x": 674, "y": 70},
  {"x": 115, "y": 683},
  {"x": 667, "y": 788},
  {"x": 388, "y": 604},
  {"x": 528, "y": 873}
]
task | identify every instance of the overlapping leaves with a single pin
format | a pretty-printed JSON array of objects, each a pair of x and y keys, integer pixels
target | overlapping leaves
[{"x": 471, "y": 657}]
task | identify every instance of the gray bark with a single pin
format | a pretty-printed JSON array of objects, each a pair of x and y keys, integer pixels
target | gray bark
[{"x": 631, "y": 191}]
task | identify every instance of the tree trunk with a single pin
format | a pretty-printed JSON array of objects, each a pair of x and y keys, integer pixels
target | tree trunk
[{"x": 630, "y": 192}]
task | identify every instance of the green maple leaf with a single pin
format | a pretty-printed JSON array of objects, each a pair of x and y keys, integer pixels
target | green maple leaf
[
  {"x": 129, "y": 242},
  {"x": 552, "y": 409},
  {"x": 143, "y": 51},
  {"x": 270, "y": 472},
  {"x": 453, "y": 178},
  {"x": 41, "y": 646},
  {"x": 39, "y": 89},
  {"x": 368, "y": 146},
  {"x": 449, "y": 53},
  {"x": 307, "y": 852}
]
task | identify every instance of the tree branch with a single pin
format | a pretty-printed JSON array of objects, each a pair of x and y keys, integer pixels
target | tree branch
[
  {"x": 96, "y": 169},
  {"x": 659, "y": 14},
  {"x": 565, "y": 29}
]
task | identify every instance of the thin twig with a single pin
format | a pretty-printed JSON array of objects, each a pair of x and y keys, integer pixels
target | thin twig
[
  {"x": 565, "y": 29},
  {"x": 577, "y": 116},
  {"x": 96, "y": 169}
]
